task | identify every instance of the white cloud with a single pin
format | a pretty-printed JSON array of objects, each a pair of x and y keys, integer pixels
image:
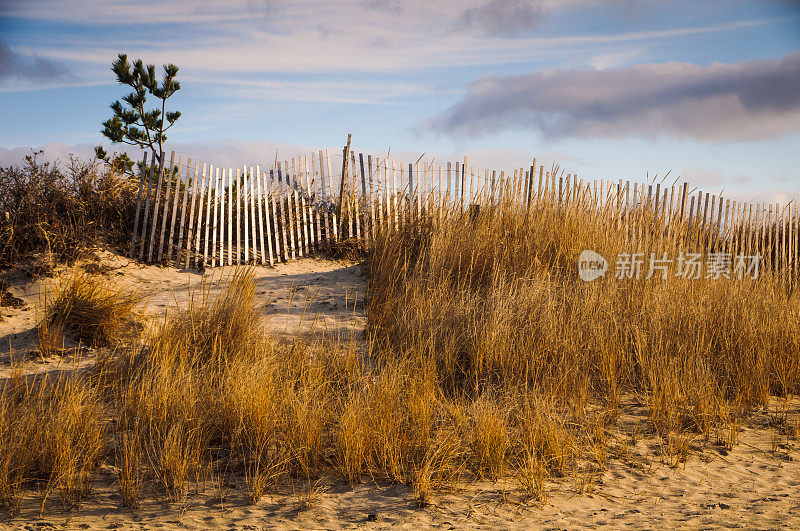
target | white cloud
[{"x": 720, "y": 102}]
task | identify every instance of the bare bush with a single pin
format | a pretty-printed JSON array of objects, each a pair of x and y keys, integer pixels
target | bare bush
[{"x": 62, "y": 211}]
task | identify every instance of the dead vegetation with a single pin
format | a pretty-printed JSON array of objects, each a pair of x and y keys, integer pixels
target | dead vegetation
[
  {"x": 93, "y": 310},
  {"x": 63, "y": 211},
  {"x": 486, "y": 357}
]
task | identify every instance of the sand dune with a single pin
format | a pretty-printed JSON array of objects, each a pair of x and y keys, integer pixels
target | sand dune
[{"x": 754, "y": 484}]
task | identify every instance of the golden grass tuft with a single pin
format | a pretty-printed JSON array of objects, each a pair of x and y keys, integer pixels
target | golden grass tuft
[
  {"x": 94, "y": 310},
  {"x": 51, "y": 431}
]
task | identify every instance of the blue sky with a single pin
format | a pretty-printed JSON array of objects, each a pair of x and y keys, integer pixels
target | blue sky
[{"x": 709, "y": 90}]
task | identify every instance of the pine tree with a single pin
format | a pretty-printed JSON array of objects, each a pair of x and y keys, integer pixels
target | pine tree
[{"x": 131, "y": 123}]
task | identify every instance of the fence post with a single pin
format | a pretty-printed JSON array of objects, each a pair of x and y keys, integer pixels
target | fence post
[
  {"x": 449, "y": 178},
  {"x": 418, "y": 191},
  {"x": 283, "y": 176},
  {"x": 380, "y": 190},
  {"x": 345, "y": 156},
  {"x": 334, "y": 224},
  {"x": 531, "y": 178}
]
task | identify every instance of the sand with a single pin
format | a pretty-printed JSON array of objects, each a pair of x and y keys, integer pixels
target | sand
[
  {"x": 312, "y": 296},
  {"x": 754, "y": 484}
]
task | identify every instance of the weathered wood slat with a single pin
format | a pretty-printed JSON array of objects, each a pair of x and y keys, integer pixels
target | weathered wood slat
[
  {"x": 411, "y": 193},
  {"x": 252, "y": 198},
  {"x": 157, "y": 202},
  {"x": 260, "y": 214},
  {"x": 302, "y": 196},
  {"x": 146, "y": 217},
  {"x": 205, "y": 192},
  {"x": 181, "y": 243},
  {"x": 215, "y": 179},
  {"x": 350, "y": 192},
  {"x": 142, "y": 179},
  {"x": 238, "y": 220},
  {"x": 313, "y": 204},
  {"x": 190, "y": 230},
  {"x": 297, "y": 211},
  {"x": 264, "y": 201},
  {"x": 175, "y": 201},
  {"x": 334, "y": 221},
  {"x": 276, "y": 225},
  {"x": 230, "y": 221},
  {"x": 305, "y": 199},
  {"x": 372, "y": 214},
  {"x": 284, "y": 215},
  {"x": 165, "y": 217},
  {"x": 245, "y": 185},
  {"x": 289, "y": 208},
  {"x": 394, "y": 195}
]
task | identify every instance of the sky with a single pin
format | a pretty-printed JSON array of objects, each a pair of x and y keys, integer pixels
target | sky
[{"x": 706, "y": 92}]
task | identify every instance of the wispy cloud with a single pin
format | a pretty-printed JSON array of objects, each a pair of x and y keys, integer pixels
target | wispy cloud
[
  {"x": 305, "y": 49},
  {"x": 719, "y": 102},
  {"x": 364, "y": 92},
  {"x": 122, "y": 12},
  {"x": 267, "y": 36},
  {"x": 504, "y": 17}
]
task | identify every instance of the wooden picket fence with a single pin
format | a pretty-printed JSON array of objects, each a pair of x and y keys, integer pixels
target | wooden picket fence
[{"x": 198, "y": 215}]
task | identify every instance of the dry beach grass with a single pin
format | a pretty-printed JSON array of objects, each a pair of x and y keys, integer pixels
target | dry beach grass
[{"x": 486, "y": 364}]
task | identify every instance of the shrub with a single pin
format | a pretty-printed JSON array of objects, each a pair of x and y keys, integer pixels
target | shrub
[{"x": 45, "y": 208}]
